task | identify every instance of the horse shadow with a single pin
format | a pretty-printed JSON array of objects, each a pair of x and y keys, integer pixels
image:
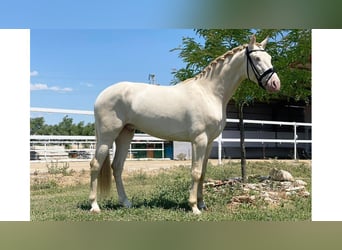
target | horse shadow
[{"x": 162, "y": 203}]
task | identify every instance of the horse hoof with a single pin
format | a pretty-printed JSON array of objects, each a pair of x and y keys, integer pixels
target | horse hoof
[
  {"x": 196, "y": 211},
  {"x": 126, "y": 204},
  {"x": 95, "y": 210},
  {"x": 202, "y": 206}
]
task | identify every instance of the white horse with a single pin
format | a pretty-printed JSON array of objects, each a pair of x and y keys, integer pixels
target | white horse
[{"x": 193, "y": 110}]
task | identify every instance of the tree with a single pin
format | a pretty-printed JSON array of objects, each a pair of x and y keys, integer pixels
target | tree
[
  {"x": 37, "y": 125},
  {"x": 287, "y": 47},
  {"x": 65, "y": 127},
  {"x": 197, "y": 56},
  {"x": 89, "y": 129}
]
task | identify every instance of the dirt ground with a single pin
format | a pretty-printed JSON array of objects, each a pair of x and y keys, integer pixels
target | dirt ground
[
  {"x": 142, "y": 165},
  {"x": 80, "y": 170}
]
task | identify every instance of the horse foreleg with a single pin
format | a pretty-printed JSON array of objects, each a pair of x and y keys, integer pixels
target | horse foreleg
[
  {"x": 122, "y": 143},
  {"x": 200, "y": 201},
  {"x": 199, "y": 147}
]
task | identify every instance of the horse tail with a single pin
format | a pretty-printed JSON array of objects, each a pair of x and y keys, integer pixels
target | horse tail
[{"x": 105, "y": 178}]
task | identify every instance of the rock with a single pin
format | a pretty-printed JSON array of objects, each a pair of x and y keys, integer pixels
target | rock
[
  {"x": 210, "y": 184},
  {"x": 280, "y": 175},
  {"x": 288, "y": 194},
  {"x": 294, "y": 189},
  {"x": 286, "y": 184},
  {"x": 264, "y": 194},
  {"x": 305, "y": 194},
  {"x": 283, "y": 195},
  {"x": 269, "y": 200},
  {"x": 243, "y": 199},
  {"x": 298, "y": 183},
  {"x": 251, "y": 186},
  {"x": 273, "y": 195}
]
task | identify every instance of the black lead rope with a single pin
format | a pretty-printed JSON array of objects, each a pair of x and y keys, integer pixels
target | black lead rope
[{"x": 259, "y": 77}]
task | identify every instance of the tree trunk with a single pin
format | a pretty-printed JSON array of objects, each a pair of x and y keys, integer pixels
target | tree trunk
[{"x": 242, "y": 143}]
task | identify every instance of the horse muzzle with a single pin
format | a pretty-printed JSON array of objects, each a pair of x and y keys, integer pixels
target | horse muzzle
[{"x": 273, "y": 84}]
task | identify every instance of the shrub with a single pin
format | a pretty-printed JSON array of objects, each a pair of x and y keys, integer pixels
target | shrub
[{"x": 56, "y": 168}]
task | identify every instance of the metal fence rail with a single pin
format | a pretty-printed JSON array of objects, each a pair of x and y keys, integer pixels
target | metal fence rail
[
  {"x": 143, "y": 138},
  {"x": 84, "y": 146},
  {"x": 293, "y": 141}
]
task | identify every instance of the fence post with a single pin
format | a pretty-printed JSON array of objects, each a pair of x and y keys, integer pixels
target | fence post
[
  {"x": 45, "y": 149},
  {"x": 220, "y": 149},
  {"x": 295, "y": 141},
  {"x": 91, "y": 151}
]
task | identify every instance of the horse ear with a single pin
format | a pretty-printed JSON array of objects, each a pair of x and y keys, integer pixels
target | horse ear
[
  {"x": 252, "y": 41},
  {"x": 264, "y": 43}
]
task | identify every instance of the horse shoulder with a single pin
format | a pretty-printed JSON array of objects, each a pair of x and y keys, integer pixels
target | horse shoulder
[{"x": 206, "y": 115}]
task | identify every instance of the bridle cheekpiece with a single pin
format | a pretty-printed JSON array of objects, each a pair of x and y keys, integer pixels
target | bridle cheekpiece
[{"x": 258, "y": 76}]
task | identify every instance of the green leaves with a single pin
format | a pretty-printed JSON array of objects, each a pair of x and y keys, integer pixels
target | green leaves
[
  {"x": 65, "y": 127},
  {"x": 290, "y": 51}
]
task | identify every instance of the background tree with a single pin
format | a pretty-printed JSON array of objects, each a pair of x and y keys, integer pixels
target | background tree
[
  {"x": 65, "y": 127},
  {"x": 37, "y": 125},
  {"x": 289, "y": 49}
]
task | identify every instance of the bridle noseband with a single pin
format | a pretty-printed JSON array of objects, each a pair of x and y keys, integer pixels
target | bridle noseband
[{"x": 258, "y": 76}]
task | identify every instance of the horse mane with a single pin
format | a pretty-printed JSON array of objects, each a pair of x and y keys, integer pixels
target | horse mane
[{"x": 218, "y": 59}]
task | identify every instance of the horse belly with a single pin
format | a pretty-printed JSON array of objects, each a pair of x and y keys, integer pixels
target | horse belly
[
  {"x": 162, "y": 115},
  {"x": 168, "y": 128}
]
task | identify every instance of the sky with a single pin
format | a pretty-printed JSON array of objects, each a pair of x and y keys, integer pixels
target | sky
[
  {"x": 70, "y": 67},
  {"x": 93, "y": 14}
]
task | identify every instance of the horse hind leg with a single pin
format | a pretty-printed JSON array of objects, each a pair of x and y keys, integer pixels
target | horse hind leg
[
  {"x": 122, "y": 143},
  {"x": 101, "y": 160}
]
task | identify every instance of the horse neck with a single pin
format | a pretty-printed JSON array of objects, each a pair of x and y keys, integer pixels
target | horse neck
[{"x": 224, "y": 77}]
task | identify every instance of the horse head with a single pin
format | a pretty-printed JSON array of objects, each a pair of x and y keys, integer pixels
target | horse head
[{"x": 259, "y": 62}]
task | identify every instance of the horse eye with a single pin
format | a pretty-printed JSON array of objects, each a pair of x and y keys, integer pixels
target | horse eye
[{"x": 258, "y": 59}]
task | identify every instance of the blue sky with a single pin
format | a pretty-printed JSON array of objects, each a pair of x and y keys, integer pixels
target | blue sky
[
  {"x": 93, "y": 14},
  {"x": 70, "y": 67}
]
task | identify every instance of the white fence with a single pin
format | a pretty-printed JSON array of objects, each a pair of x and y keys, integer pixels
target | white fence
[
  {"x": 293, "y": 141},
  {"x": 78, "y": 141},
  {"x": 83, "y": 147}
]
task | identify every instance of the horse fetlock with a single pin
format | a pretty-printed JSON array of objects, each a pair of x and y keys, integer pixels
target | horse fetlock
[
  {"x": 192, "y": 201},
  {"x": 92, "y": 197},
  {"x": 94, "y": 165}
]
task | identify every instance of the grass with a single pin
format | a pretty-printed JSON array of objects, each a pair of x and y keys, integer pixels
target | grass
[{"x": 163, "y": 197}]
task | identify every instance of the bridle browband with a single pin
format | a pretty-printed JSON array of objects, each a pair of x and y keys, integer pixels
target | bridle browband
[{"x": 258, "y": 76}]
